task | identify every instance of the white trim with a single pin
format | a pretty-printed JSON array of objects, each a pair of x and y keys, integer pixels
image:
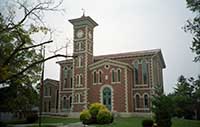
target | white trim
[
  {"x": 65, "y": 91},
  {"x": 141, "y": 85},
  {"x": 142, "y": 109},
  {"x": 110, "y": 62},
  {"x": 126, "y": 90},
  {"x": 112, "y": 95},
  {"x": 136, "y": 89}
]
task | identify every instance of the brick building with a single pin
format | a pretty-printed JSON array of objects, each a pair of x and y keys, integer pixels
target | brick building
[{"x": 123, "y": 82}]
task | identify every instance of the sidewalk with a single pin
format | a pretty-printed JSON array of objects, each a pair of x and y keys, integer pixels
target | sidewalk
[{"x": 77, "y": 124}]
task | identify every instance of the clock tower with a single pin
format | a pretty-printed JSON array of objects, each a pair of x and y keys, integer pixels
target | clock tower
[{"x": 83, "y": 50}]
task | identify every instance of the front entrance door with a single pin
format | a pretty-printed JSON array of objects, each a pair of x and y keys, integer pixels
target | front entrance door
[{"x": 107, "y": 98}]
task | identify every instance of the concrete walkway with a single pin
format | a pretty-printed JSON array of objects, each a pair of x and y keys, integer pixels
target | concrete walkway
[{"x": 77, "y": 124}]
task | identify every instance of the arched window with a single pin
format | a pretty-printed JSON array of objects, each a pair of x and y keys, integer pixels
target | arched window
[
  {"x": 78, "y": 97},
  {"x": 64, "y": 103},
  {"x": 118, "y": 75},
  {"x": 80, "y": 61},
  {"x": 95, "y": 77},
  {"x": 81, "y": 79},
  {"x": 146, "y": 101},
  {"x": 113, "y": 76},
  {"x": 46, "y": 91},
  {"x": 70, "y": 101},
  {"x": 65, "y": 72},
  {"x": 107, "y": 98},
  {"x": 144, "y": 72},
  {"x": 136, "y": 73},
  {"x": 100, "y": 76},
  {"x": 137, "y": 101}
]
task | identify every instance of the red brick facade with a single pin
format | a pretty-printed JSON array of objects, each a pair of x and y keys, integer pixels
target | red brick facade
[{"x": 124, "y": 82}]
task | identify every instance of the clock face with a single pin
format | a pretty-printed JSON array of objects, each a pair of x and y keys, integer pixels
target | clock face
[
  {"x": 79, "y": 33},
  {"x": 90, "y": 35}
]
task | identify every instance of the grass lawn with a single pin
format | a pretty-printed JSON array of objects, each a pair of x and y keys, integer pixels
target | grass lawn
[{"x": 122, "y": 122}]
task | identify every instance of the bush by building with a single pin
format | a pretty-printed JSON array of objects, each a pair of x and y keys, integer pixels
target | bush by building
[
  {"x": 147, "y": 123},
  {"x": 97, "y": 114}
]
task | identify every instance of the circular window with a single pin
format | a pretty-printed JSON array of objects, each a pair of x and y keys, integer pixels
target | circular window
[{"x": 106, "y": 66}]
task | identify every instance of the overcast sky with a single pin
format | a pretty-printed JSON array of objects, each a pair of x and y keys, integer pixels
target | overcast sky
[{"x": 130, "y": 25}]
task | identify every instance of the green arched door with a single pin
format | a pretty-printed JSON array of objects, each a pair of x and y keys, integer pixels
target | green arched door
[{"x": 107, "y": 98}]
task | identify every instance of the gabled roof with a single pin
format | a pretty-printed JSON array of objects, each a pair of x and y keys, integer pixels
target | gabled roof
[
  {"x": 51, "y": 81},
  {"x": 67, "y": 61},
  {"x": 132, "y": 54},
  {"x": 110, "y": 62},
  {"x": 124, "y": 55}
]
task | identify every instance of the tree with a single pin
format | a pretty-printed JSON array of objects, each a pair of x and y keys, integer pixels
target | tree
[
  {"x": 194, "y": 27},
  {"x": 20, "y": 54},
  {"x": 162, "y": 108}
]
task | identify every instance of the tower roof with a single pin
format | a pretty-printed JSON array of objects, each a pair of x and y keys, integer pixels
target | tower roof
[{"x": 84, "y": 20}]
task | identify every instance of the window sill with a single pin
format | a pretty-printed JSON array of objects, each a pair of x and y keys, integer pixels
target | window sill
[
  {"x": 47, "y": 96},
  {"x": 140, "y": 84},
  {"x": 115, "y": 82}
]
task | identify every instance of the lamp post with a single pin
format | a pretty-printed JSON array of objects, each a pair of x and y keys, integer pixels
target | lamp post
[{"x": 41, "y": 86}]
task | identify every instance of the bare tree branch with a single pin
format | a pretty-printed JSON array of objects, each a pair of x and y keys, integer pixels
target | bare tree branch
[
  {"x": 30, "y": 66},
  {"x": 33, "y": 46}
]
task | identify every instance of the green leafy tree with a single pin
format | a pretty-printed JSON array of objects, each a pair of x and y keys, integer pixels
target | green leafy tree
[
  {"x": 182, "y": 98},
  {"x": 162, "y": 108},
  {"x": 20, "y": 54},
  {"x": 194, "y": 27}
]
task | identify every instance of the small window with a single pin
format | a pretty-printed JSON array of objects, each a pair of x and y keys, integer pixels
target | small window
[
  {"x": 46, "y": 91},
  {"x": 136, "y": 73},
  {"x": 146, "y": 101},
  {"x": 78, "y": 97},
  {"x": 65, "y": 72},
  {"x": 64, "y": 102},
  {"x": 118, "y": 75},
  {"x": 106, "y": 66},
  {"x": 95, "y": 77},
  {"x": 145, "y": 72},
  {"x": 49, "y": 92},
  {"x": 71, "y": 81},
  {"x": 65, "y": 83},
  {"x": 81, "y": 79},
  {"x": 137, "y": 98},
  {"x": 77, "y": 80},
  {"x": 113, "y": 76},
  {"x": 80, "y": 61},
  {"x": 100, "y": 76}
]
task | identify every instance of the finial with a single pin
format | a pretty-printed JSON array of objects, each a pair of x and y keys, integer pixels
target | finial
[{"x": 83, "y": 12}]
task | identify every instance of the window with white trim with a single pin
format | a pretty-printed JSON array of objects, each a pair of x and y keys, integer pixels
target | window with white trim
[
  {"x": 136, "y": 73},
  {"x": 64, "y": 103},
  {"x": 146, "y": 101},
  {"x": 137, "y": 101},
  {"x": 144, "y": 72},
  {"x": 113, "y": 76},
  {"x": 118, "y": 75},
  {"x": 100, "y": 77},
  {"x": 79, "y": 80},
  {"x": 94, "y": 77}
]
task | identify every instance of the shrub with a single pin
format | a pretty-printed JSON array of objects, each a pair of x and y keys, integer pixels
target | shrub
[
  {"x": 147, "y": 123},
  {"x": 31, "y": 118},
  {"x": 104, "y": 117},
  {"x": 97, "y": 113},
  {"x": 95, "y": 107},
  {"x": 2, "y": 124},
  {"x": 85, "y": 117}
]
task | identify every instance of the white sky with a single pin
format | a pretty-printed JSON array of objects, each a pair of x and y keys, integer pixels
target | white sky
[{"x": 130, "y": 25}]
